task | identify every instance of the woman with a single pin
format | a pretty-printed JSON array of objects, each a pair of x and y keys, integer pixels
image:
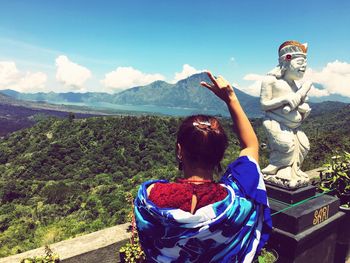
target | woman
[{"x": 195, "y": 219}]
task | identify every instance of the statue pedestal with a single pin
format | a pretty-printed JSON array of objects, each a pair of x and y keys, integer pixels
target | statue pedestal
[
  {"x": 304, "y": 224},
  {"x": 290, "y": 196}
]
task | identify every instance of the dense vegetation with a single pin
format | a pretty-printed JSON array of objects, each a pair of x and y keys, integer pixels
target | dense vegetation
[
  {"x": 65, "y": 177},
  {"x": 328, "y": 129}
]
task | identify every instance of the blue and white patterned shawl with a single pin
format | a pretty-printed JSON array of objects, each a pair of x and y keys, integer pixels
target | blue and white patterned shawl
[{"x": 231, "y": 230}]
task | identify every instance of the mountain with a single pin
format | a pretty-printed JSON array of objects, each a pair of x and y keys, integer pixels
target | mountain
[
  {"x": 14, "y": 98},
  {"x": 17, "y": 114},
  {"x": 6, "y": 98},
  {"x": 186, "y": 93},
  {"x": 333, "y": 97},
  {"x": 57, "y": 97}
]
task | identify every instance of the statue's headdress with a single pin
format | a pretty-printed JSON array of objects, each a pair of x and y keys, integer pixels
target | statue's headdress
[
  {"x": 286, "y": 52},
  {"x": 291, "y": 48}
]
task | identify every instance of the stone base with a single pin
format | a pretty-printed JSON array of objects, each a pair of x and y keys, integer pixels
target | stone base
[
  {"x": 314, "y": 245},
  {"x": 342, "y": 251},
  {"x": 290, "y": 196},
  {"x": 286, "y": 183}
]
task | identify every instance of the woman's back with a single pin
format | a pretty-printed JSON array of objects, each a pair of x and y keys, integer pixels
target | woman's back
[
  {"x": 186, "y": 195},
  {"x": 229, "y": 230}
]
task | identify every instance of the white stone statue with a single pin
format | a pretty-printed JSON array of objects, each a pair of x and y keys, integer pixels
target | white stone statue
[{"x": 285, "y": 109}]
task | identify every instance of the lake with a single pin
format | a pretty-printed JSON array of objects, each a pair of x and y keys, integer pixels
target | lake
[{"x": 151, "y": 109}]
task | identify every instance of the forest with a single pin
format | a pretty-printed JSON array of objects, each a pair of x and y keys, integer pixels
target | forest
[{"x": 66, "y": 177}]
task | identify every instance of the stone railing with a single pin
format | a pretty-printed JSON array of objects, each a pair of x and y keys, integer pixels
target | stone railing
[{"x": 98, "y": 247}]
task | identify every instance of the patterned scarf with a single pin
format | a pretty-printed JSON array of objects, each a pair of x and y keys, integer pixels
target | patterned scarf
[{"x": 231, "y": 230}]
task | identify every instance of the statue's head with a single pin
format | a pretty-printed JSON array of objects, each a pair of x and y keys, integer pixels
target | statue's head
[{"x": 292, "y": 61}]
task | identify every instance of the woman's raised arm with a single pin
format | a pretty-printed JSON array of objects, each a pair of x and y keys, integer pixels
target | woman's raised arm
[{"x": 245, "y": 132}]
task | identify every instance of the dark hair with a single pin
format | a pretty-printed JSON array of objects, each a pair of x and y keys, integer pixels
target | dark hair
[{"x": 203, "y": 140}]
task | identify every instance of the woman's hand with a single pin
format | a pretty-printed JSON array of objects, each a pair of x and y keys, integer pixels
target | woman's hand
[
  {"x": 221, "y": 88},
  {"x": 246, "y": 135}
]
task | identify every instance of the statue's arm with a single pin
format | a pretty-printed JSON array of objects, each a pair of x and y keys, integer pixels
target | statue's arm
[
  {"x": 305, "y": 88},
  {"x": 266, "y": 96},
  {"x": 298, "y": 98}
]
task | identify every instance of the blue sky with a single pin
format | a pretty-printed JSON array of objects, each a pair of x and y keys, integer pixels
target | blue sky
[{"x": 82, "y": 45}]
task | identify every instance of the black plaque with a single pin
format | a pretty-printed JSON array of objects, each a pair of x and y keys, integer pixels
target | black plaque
[{"x": 303, "y": 215}]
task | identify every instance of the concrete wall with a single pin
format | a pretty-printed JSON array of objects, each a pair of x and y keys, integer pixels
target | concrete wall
[{"x": 98, "y": 247}]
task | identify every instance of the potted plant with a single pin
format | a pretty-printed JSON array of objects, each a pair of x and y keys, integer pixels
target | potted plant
[
  {"x": 335, "y": 179},
  {"x": 266, "y": 256},
  {"x": 132, "y": 251},
  {"x": 49, "y": 257}
]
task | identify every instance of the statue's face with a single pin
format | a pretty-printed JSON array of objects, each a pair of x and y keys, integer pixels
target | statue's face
[{"x": 296, "y": 68}]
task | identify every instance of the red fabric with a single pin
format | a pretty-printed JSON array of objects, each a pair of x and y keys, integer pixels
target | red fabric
[{"x": 179, "y": 195}]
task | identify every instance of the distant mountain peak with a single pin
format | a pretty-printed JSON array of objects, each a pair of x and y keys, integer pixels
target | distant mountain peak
[
  {"x": 159, "y": 81},
  {"x": 7, "y": 99},
  {"x": 201, "y": 76}
]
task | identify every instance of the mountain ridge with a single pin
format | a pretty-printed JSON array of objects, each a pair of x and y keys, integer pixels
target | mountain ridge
[{"x": 186, "y": 93}]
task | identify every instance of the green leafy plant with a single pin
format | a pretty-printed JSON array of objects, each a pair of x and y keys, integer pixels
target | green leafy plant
[
  {"x": 132, "y": 252},
  {"x": 49, "y": 257},
  {"x": 267, "y": 256},
  {"x": 336, "y": 178}
]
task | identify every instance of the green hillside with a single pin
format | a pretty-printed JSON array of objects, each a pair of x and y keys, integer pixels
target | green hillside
[
  {"x": 65, "y": 177},
  {"x": 62, "y": 178},
  {"x": 328, "y": 129}
]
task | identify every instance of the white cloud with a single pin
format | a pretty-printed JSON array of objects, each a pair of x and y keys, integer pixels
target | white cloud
[
  {"x": 253, "y": 89},
  {"x": 128, "y": 77},
  {"x": 187, "y": 71},
  {"x": 314, "y": 92},
  {"x": 70, "y": 73},
  {"x": 334, "y": 78},
  {"x": 12, "y": 78},
  {"x": 8, "y": 72},
  {"x": 33, "y": 81}
]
